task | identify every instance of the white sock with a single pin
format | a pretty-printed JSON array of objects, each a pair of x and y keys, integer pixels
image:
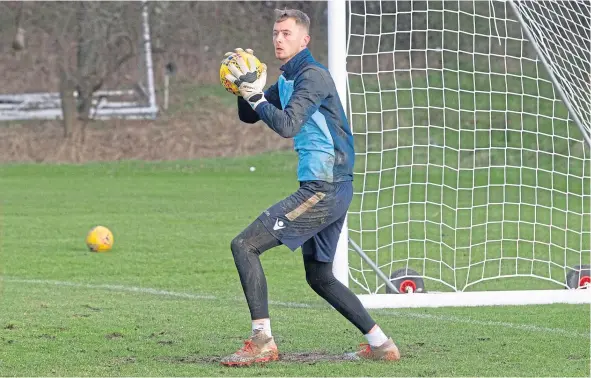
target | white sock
[
  {"x": 263, "y": 325},
  {"x": 376, "y": 336}
]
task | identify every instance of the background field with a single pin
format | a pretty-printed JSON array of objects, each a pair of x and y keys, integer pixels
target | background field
[{"x": 167, "y": 300}]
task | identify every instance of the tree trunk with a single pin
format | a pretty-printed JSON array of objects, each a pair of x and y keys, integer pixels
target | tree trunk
[
  {"x": 69, "y": 108},
  {"x": 85, "y": 64}
]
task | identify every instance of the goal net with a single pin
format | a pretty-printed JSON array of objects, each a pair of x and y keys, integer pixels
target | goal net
[{"x": 472, "y": 128}]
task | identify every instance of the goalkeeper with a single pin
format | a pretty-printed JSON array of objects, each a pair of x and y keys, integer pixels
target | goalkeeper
[{"x": 303, "y": 105}]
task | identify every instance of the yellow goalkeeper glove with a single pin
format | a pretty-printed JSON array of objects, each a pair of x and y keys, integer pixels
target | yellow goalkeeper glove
[{"x": 245, "y": 78}]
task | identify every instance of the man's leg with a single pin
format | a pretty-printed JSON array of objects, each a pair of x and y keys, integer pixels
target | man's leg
[
  {"x": 318, "y": 253},
  {"x": 246, "y": 249},
  {"x": 321, "y": 279},
  {"x": 279, "y": 224}
]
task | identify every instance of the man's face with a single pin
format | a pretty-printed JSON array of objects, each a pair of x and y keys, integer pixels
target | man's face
[{"x": 289, "y": 39}]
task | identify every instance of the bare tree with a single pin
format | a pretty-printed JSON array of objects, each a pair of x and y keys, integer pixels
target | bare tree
[{"x": 92, "y": 40}]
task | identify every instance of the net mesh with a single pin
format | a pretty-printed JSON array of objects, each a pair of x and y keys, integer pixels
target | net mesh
[{"x": 469, "y": 166}]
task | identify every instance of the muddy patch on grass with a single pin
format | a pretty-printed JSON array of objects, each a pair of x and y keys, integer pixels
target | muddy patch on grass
[
  {"x": 114, "y": 335},
  {"x": 313, "y": 357},
  {"x": 123, "y": 360},
  {"x": 192, "y": 359},
  {"x": 165, "y": 342},
  {"x": 302, "y": 357}
]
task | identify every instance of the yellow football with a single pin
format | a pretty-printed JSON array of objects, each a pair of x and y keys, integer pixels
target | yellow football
[
  {"x": 231, "y": 60},
  {"x": 100, "y": 239}
]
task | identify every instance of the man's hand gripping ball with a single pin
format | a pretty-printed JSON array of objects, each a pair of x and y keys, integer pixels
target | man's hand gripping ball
[{"x": 250, "y": 84}]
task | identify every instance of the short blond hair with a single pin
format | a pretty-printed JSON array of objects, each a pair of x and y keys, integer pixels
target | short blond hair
[{"x": 300, "y": 17}]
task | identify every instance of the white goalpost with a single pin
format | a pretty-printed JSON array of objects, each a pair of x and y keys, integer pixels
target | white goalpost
[{"x": 472, "y": 127}]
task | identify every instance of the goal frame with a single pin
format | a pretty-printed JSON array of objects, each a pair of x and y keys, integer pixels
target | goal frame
[{"x": 337, "y": 64}]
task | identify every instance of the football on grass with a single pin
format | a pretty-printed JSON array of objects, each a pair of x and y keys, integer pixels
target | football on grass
[
  {"x": 99, "y": 239},
  {"x": 230, "y": 60}
]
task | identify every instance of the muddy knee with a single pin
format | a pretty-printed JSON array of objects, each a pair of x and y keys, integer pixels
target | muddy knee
[
  {"x": 238, "y": 246},
  {"x": 241, "y": 246}
]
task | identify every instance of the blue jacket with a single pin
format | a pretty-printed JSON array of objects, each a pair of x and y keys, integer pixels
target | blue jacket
[{"x": 304, "y": 105}]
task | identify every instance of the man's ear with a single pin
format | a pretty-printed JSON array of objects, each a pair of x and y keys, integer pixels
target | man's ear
[{"x": 306, "y": 41}]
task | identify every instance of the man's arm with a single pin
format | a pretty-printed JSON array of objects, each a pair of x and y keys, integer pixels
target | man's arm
[
  {"x": 248, "y": 115},
  {"x": 310, "y": 89}
]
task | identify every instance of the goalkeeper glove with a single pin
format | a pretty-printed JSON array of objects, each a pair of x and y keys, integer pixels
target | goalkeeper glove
[{"x": 245, "y": 78}]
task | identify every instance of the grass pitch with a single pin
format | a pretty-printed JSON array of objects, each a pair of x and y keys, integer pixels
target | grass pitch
[{"x": 166, "y": 301}]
